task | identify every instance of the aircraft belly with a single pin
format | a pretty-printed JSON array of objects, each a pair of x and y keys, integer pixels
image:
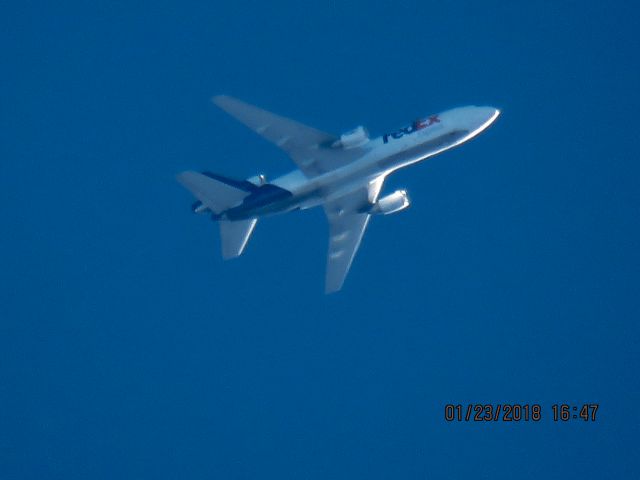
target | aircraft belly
[
  {"x": 307, "y": 193},
  {"x": 293, "y": 202},
  {"x": 344, "y": 174}
]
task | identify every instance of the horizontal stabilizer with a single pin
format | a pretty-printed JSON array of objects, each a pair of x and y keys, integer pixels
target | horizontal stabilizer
[
  {"x": 235, "y": 235},
  {"x": 217, "y": 195}
]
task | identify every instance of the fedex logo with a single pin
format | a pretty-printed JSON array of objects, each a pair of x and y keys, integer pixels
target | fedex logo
[{"x": 415, "y": 126}]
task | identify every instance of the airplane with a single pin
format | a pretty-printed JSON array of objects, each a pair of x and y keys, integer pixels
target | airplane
[{"x": 343, "y": 174}]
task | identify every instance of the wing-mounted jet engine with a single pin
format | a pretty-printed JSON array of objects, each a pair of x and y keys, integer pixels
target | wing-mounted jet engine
[
  {"x": 392, "y": 203},
  {"x": 342, "y": 173},
  {"x": 352, "y": 139}
]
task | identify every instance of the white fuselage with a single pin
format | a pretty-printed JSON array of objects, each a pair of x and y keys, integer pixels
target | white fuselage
[
  {"x": 383, "y": 155},
  {"x": 344, "y": 175}
]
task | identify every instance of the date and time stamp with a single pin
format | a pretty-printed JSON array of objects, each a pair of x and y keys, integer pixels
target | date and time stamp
[{"x": 524, "y": 412}]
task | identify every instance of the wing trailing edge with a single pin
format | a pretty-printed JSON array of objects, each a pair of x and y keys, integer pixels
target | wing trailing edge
[{"x": 310, "y": 149}]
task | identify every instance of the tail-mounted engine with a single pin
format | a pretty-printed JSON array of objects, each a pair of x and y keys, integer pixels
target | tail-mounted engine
[
  {"x": 258, "y": 180},
  {"x": 392, "y": 203}
]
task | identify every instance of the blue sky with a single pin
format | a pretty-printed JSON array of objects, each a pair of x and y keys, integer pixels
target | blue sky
[{"x": 130, "y": 350}]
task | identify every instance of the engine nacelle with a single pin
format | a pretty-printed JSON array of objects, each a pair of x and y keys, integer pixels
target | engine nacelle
[
  {"x": 353, "y": 138},
  {"x": 392, "y": 203},
  {"x": 257, "y": 180}
]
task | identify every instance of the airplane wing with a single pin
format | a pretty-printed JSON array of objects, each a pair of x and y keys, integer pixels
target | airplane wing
[
  {"x": 309, "y": 148},
  {"x": 347, "y": 224}
]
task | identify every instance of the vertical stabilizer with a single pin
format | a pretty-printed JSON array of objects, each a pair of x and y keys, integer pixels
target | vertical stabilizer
[{"x": 235, "y": 235}]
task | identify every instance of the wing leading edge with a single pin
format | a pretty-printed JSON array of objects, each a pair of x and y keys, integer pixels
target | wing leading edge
[
  {"x": 312, "y": 151},
  {"x": 309, "y": 148}
]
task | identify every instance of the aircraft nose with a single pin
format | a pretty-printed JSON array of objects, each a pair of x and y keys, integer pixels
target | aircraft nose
[
  {"x": 471, "y": 117},
  {"x": 485, "y": 116}
]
